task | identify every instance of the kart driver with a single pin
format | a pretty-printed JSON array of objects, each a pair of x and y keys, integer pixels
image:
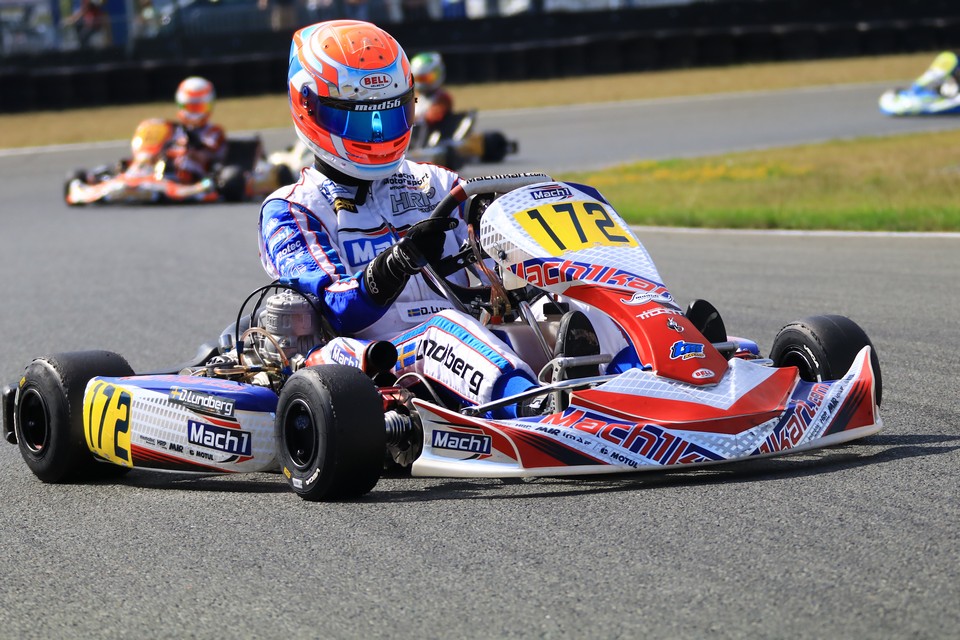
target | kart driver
[
  {"x": 434, "y": 103},
  {"x": 943, "y": 75},
  {"x": 336, "y": 233},
  {"x": 197, "y": 144}
]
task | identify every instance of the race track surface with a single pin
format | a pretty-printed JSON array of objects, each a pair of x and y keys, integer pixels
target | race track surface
[{"x": 858, "y": 541}]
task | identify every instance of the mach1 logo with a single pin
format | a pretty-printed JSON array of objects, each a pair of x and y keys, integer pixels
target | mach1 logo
[
  {"x": 233, "y": 441},
  {"x": 464, "y": 442},
  {"x": 551, "y": 191},
  {"x": 363, "y": 250}
]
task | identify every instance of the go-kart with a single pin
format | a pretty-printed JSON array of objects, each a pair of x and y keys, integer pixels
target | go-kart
[
  {"x": 148, "y": 175},
  {"x": 453, "y": 144},
  {"x": 456, "y": 142},
  {"x": 936, "y": 92},
  {"x": 266, "y": 399}
]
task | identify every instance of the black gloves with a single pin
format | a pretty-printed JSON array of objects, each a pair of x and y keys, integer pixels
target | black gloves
[{"x": 386, "y": 274}]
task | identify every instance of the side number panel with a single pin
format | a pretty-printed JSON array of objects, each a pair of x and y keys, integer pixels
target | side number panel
[{"x": 106, "y": 422}]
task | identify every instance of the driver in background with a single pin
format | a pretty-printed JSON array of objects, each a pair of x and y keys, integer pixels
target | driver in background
[
  {"x": 350, "y": 230},
  {"x": 434, "y": 103},
  {"x": 943, "y": 75},
  {"x": 197, "y": 144}
]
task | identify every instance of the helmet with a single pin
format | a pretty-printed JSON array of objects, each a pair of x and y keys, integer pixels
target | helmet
[
  {"x": 351, "y": 96},
  {"x": 195, "y": 101},
  {"x": 429, "y": 71}
]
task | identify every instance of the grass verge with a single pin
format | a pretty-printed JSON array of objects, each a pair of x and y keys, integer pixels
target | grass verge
[{"x": 902, "y": 183}]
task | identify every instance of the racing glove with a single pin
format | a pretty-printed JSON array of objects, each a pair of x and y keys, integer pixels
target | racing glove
[{"x": 387, "y": 274}]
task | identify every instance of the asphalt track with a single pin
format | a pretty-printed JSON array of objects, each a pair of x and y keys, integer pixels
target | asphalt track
[{"x": 858, "y": 541}]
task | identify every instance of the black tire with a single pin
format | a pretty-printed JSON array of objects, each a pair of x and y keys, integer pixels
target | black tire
[
  {"x": 823, "y": 348},
  {"x": 283, "y": 175},
  {"x": 330, "y": 433},
  {"x": 495, "y": 147},
  {"x": 232, "y": 184},
  {"x": 48, "y": 415}
]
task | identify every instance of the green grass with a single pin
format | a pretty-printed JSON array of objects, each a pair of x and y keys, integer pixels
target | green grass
[{"x": 902, "y": 183}]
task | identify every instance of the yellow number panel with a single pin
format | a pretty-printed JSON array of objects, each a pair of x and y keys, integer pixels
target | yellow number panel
[
  {"x": 106, "y": 422},
  {"x": 571, "y": 226}
]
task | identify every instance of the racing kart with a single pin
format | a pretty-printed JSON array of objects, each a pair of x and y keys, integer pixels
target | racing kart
[
  {"x": 936, "y": 92},
  {"x": 453, "y": 144},
  {"x": 266, "y": 399},
  {"x": 148, "y": 176}
]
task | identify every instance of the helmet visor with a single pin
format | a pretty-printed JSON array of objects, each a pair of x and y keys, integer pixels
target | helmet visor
[
  {"x": 427, "y": 78},
  {"x": 366, "y": 120}
]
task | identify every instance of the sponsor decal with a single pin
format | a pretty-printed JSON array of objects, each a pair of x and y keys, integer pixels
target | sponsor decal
[
  {"x": 344, "y": 204},
  {"x": 211, "y": 436},
  {"x": 202, "y": 402},
  {"x": 542, "y": 272},
  {"x": 363, "y": 250},
  {"x": 792, "y": 431},
  {"x": 702, "y": 374},
  {"x": 658, "y": 311},
  {"x": 681, "y": 350},
  {"x": 673, "y": 324},
  {"x": 340, "y": 355},
  {"x": 404, "y": 201},
  {"x": 446, "y": 356},
  {"x": 313, "y": 477},
  {"x": 551, "y": 191},
  {"x": 424, "y": 310},
  {"x": 464, "y": 442},
  {"x": 643, "y": 297},
  {"x": 379, "y": 106},
  {"x": 376, "y": 81},
  {"x": 406, "y": 180}
]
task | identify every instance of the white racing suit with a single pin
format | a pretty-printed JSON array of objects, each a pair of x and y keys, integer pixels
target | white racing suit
[{"x": 315, "y": 232}]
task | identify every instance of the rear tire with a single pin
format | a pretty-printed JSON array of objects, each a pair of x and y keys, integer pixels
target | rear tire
[
  {"x": 232, "y": 184},
  {"x": 48, "y": 415},
  {"x": 495, "y": 147},
  {"x": 824, "y": 348},
  {"x": 330, "y": 432}
]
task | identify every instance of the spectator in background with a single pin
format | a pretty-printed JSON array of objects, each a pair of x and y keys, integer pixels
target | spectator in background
[
  {"x": 91, "y": 24},
  {"x": 283, "y": 13},
  {"x": 356, "y": 10},
  {"x": 416, "y": 10},
  {"x": 146, "y": 21}
]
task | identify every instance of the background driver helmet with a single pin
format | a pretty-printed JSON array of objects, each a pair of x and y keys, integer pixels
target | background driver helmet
[
  {"x": 429, "y": 71},
  {"x": 351, "y": 96},
  {"x": 195, "y": 97}
]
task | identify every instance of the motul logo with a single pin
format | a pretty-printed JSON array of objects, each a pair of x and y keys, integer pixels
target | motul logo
[{"x": 376, "y": 81}]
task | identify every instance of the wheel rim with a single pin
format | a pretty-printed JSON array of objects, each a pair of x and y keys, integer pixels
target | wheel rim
[
  {"x": 299, "y": 434},
  {"x": 804, "y": 362},
  {"x": 34, "y": 421}
]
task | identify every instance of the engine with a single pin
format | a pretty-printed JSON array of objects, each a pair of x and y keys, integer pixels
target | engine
[{"x": 291, "y": 321}]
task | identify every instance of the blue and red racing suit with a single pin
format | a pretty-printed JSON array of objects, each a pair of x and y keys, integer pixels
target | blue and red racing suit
[{"x": 315, "y": 232}]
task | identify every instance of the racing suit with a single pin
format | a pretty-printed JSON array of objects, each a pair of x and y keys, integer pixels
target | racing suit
[
  {"x": 320, "y": 235},
  {"x": 195, "y": 150}
]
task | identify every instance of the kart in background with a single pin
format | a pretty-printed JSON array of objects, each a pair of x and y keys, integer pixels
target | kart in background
[
  {"x": 148, "y": 176},
  {"x": 936, "y": 92},
  {"x": 454, "y": 144},
  {"x": 331, "y": 421}
]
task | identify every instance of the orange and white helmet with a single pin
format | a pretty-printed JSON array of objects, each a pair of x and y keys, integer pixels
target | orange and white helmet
[
  {"x": 351, "y": 96},
  {"x": 195, "y": 97}
]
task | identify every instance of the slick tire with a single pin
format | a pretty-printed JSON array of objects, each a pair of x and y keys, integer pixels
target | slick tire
[
  {"x": 495, "y": 147},
  {"x": 330, "y": 433},
  {"x": 76, "y": 174},
  {"x": 823, "y": 348},
  {"x": 48, "y": 415},
  {"x": 232, "y": 184}
]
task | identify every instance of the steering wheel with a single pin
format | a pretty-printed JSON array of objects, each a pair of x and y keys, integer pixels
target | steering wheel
[{"x": 479, "y": 188}]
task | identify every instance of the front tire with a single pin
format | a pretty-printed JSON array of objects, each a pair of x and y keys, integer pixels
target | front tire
[
  {"x": 48, "y": 415},
  {"x": 330, "y": 432},
  {"x": 824, "y": 348}
]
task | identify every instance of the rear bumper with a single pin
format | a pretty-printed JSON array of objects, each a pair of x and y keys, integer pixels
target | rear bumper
[{"x": 7, "y": 396}]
